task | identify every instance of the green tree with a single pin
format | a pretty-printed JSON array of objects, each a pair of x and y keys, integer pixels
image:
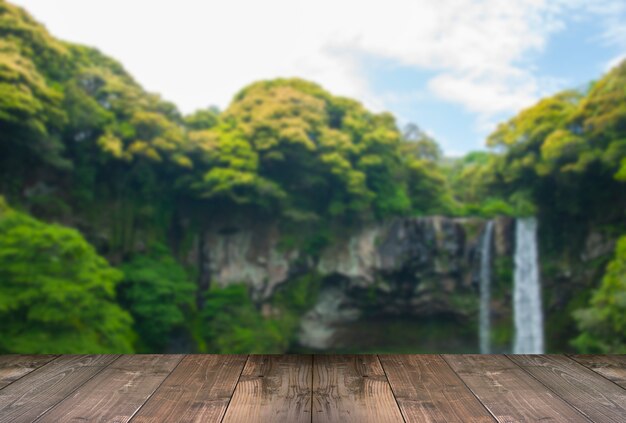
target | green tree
[
  {"x": 56, "y": 294},
  {"x": 296, "y": 150},
  {"x": 232, "y": 324},
  {"x": 560, "y": 150},
  {"x": 603, "y": 323},
  {"x": 422, "y": 145},
  {"x": 158, "y": 293},
  {"x": 203, "y": 119}
]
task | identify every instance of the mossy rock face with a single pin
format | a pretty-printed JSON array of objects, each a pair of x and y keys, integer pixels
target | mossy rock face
[
  {"x": 411, "y": 270},
  {"x": 567, "y": 287},
  {"x": 472, "y": 227}
]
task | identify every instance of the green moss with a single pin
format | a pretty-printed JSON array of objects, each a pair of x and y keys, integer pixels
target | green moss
[
  {"x": 472, "y": 227},
  {"x": 502, "y": 277},
  {"x": 465, "y": 303},
  {"x": 560, "y": 325},
  {"x": 501, "y": 295},
  {"x": 502, "y": 332},
  {"x": 570, "y": 293},
  {"x": 298, "y": 295}
]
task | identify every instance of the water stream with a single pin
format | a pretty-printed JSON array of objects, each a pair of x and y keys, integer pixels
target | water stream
[
  {"x": 484, "y": 334},
  {"x": 527, "y": 310}
]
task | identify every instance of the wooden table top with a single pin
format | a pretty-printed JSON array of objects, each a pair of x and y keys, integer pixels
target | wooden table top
[{"x": 312, "y": 388}]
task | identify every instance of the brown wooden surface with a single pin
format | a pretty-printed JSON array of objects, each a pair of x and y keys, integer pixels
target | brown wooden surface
[
  {"x": 352, "y": 388},
  {"x": 116, "y": 393},
  {"x": 510, "y": 393},
  {"x": 612, "y": 367},
  {"x": 428, "y": 390},
  {"x": 273, "y": 388},
  {"x": 305, "y": 388},
  {"x": 199, "y": 390},
  {"x": 13, "y": 367},
  {"x": 29, "y": 397},
  {"x": 596, "y": 397}
]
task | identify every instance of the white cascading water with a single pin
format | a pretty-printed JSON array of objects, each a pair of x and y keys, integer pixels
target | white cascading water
[
  {"x": 484, "y": 328},
  {"x": 527, "y": 310}
]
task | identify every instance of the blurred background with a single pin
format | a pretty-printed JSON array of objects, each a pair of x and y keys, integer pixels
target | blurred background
[{"x": 287, "y": 176}]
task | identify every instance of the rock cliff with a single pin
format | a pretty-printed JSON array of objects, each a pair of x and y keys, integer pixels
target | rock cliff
[{"x": 407, "y": 268}]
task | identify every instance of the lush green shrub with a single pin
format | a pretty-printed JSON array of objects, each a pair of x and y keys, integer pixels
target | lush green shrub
[
  {"x": 158, "y": 293},
  {"x": 232, "y": 324},
  {"x": 603, "y": 323},
  {"x": 56, "y": 294}
]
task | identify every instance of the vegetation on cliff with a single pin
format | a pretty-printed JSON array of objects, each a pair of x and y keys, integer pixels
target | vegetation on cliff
[
  {"x": 564, "y": 159},
  {"x": 603, "y": 324},
  {"x": 84, "y": 146}
]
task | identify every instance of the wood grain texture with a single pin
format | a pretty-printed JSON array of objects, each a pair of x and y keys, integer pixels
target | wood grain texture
[
  {"x": 198, "y": 390},
  {"x": 511, "y": 394},
  {"x": 13, "y": 367},
  {"x": 34, "y": 394},
  {"x": 116, "y": 393},
  {"x": 273, "y": 389},
  {"x": 612, "y": 367},
  {"x": 352, "y": 388},
  {"x": 593, "y": 395},
  {"x": 427, "y": 390},
  {"x": 321, "y": 388}
]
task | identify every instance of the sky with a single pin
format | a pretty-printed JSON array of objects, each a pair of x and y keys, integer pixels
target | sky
[{"x": 454, "y": 67}]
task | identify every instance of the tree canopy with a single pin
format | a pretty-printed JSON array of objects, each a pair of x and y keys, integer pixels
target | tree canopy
[
  {"x": 82, "y": 144},
  {"x": 57, "y": 294}
]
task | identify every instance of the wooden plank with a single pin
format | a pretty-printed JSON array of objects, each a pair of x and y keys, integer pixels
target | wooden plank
[
  {"x": 198, "y": 390},
  {"x": 612, "y": 367},
  {"x": 29, "y": 397},
  {"x": 593, "y": 395},
  {"x": 352, "y": 388},
  {"x": 116, "y": 393},
  {"x": 427, "y": 390},
  {"x": 508, "y": 392},
  {"x": 13, "y": 367},
  {"x": 273, "y": 389}
]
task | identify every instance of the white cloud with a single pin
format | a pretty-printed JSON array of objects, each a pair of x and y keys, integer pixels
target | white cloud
[
  {"x": 613, "y": 62},
  {"x": 201, "y": 52}
]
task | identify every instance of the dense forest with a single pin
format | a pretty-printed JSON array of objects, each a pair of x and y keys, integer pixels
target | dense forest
[{"x": 105, "y": 187}]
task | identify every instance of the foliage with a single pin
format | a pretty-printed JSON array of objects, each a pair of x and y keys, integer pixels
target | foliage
[
  {"x": 293, "y": 148},
  {"x": 157, "y": 292},
  {"x": 422, "y": 144},
  {"x": 57, "y": 295},
  {"x": 82, "y": 143},
  {"x": 603, "y": 323},
  {"x": 562, "y": 160},
  {"x": 561, "y": 149},
  {"x": 284, "y": 146},
  {"x": 30, "y": 108},
  {"x": 232, "y": 324}
]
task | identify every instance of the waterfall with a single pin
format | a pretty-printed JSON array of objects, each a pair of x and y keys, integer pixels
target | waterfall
[
  {"x": 527, "y": 310},
  {"x": 484, "y": 334}
]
